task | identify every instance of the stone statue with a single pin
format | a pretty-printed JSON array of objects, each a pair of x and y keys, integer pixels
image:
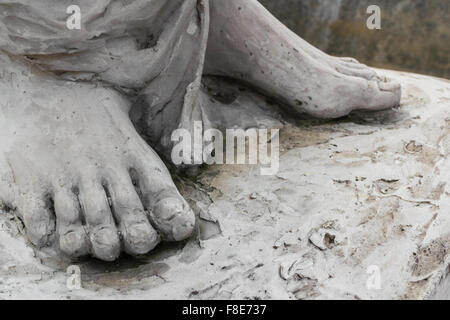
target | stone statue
[{"x": 76, "y": 106}]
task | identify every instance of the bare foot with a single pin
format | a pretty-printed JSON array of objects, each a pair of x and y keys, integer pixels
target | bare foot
[
  {"x": 78, "y": 173},
  {"x": 247, "y": 43},
  {"x": 344, "y": 65}
]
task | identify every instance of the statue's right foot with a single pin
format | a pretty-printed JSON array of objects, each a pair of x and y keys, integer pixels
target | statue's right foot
[{"x": 79, "y": 175}]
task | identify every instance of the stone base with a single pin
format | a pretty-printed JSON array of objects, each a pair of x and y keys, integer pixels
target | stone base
[{"x": 364, "y": 193}]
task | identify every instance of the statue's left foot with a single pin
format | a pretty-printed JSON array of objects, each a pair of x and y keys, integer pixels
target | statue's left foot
[
  {"x": 247, "y": 43},
  {"x": 345, "y": 65}
]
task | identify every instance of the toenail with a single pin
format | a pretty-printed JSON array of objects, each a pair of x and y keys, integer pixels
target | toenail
[
  {"x": 74, "y": 244},
  {"x": 140, "y": 238},
  {"x": 104, "y": 235},
  {"x": 140, "y": 233},
  {"x": 105, "y": 244},
  {"x": 41, "y": 235}
]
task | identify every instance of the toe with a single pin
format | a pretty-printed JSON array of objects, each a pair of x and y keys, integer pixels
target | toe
[
  {"x": 386, "y": 94},
  {"x": 73, "y": 239},
  {"x": 105, "y": 242},
  {"x": 349, "y": 60},
  {"x": 103, "y": 233},
  {"x": 174, "y": 218},
  {"x": 386, "y": 84},
  {"x": 74, "y": 243},
  {"x": 138, "y": 236},
  {"x": 355, "y": 65},
  {"x": 362, "y": 95},
  {"x": 170, "y": 214},
  {"x": 38, "y": 219},
  {"x": 365, "y": 73}
]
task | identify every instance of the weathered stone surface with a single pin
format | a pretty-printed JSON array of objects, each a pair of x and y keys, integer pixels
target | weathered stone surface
[{"x": 369, "y": 189}]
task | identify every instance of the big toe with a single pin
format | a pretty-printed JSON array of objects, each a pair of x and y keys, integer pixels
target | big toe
[
  {"x": 386, "y": 94},
  {"x": 170, "y": 214},
  {"x": 387, "y": 84},
  {"x": 173, "y": 218}
]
